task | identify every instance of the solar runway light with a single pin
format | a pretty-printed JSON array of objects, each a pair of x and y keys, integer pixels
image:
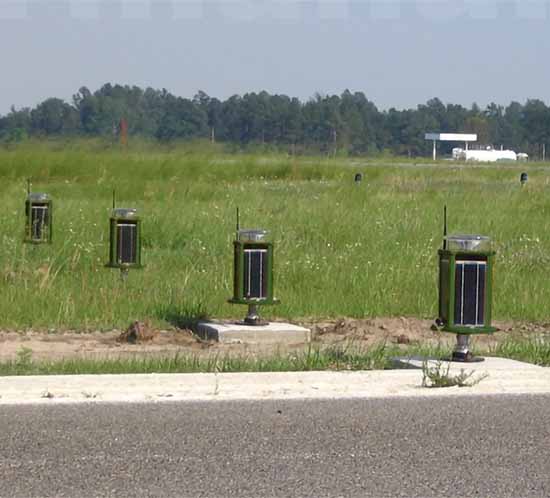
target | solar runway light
[
  {"x": 358, "y": 178},
  {"x": 523, "y": 179},
  {"x": 125, "y": 240},
  {"x": 38, "y": 217},
  {"x": 252, "y": 272},
  {"x": 465, "y": 289}
]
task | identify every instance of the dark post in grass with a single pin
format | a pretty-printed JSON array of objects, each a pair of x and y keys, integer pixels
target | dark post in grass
[
  {"x": 465, "y": 289},
  {"x": 38, "y": 217},
  {"x": 523, "y": 179},
  {"x": 252, "y": 272},
  {"x": 125, "y": 240}
]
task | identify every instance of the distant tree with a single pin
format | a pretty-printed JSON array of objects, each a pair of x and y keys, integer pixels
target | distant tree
[
  {"x": 513, "y": 127},
  {"x": 495, "y": 117},
  {"x": 16, "y": 126},
  {"x": 88, "y": 109},
  {"x": 53, "y": 117},
  {"x": 182, "y": 119},
  {"x": 478, "y": 123},
  {"x": 231, "y": 117},
  {"x": 347, "y": 123},
  {"x": 536, "y": 122}
]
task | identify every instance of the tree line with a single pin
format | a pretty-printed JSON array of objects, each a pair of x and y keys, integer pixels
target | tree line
[{"x": 331, "y": 124}]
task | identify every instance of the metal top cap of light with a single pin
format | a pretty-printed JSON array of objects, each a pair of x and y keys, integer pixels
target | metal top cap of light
[
  {"x": 38, "y": 197},
  {"x": 125, "y": 213},
  {"x": 252, "y": 235},
  {"x": 468, "y": 242}
]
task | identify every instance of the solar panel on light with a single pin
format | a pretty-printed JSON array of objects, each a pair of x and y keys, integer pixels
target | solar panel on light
[
  {"x": 465, "y": 289},
  {"x": 470, "y": 293},
  {"x": 125, "y": 239},
  {"x": 252, "y": 272},
  {"x": 523, "y": 178},
  {"x": 38, "y": 214},
  {"x": 255, "y": 273},
  {"x": 465, "y": 284},
  {"x": 127, "y": 242},
  {"x": 39, "y": 221}
]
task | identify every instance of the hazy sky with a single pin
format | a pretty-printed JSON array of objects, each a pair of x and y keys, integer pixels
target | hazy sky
[{"x": 398, "y": 52}]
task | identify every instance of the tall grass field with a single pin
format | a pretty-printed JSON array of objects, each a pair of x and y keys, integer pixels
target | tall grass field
[{"x": 341, "y": 249}]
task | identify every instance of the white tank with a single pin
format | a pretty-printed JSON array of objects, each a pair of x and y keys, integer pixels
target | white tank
[
  {"x": 457, "y": 151},
  {"x": 488, "y": 155}
]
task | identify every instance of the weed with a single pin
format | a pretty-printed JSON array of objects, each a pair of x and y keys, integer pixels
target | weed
[
  {"x": 23, "y": 360},
  {"x": 439, "y": 375}
]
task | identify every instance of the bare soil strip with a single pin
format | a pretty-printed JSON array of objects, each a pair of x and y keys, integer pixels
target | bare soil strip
[{"x": 148, "y": 341}]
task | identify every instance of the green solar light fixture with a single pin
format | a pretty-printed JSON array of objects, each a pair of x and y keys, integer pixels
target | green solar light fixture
[
  {"x": 125, "y": 239},
  {"x": 38, "y": 217},
  {"x": 523, "y": 178},
  {"x": 253, "y": 272},
  {"x": 465, "y": 289}
]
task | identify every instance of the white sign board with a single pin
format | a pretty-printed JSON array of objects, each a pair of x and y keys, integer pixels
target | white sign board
[{"x": 452, "y": 137}]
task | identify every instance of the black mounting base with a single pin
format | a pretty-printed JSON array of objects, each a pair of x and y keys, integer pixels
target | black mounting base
[
  {"x": 465, "y": 358},
  {"x": 253, "y": 317},
  {"x": 256, "y": 322}
]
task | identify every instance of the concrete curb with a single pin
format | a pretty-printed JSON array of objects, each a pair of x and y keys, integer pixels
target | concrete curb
[{"x": 503, "y": 378}]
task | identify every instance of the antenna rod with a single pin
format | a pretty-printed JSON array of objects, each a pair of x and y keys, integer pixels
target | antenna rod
[
  {"x": 28, "y": 185},
  {"x": 114, "y": 198},
  {"x": 445, "y": 227},
  {"x": 238, "y": 222}
]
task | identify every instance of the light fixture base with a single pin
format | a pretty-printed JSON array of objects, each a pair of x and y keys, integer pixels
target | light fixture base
[
  {"x": 462, "y": 353},
  {"x": 253, "y": 317}
]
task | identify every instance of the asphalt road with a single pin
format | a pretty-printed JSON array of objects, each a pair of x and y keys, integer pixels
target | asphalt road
[{"x": 459, "y": 446}]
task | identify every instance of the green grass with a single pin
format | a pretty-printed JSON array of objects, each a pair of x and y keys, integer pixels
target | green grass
[
  {"x": 311, "y": 359},
  {"x": 341, "y": 249},
  {"x": 533, "y": 350},
  {"x": 348, "y": 356},
  {"x": 314, "y": 358}
]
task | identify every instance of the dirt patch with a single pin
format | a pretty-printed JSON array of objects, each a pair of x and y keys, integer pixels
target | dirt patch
[
  {"x": 411, "y": 331},
  {"x": 402, "y": 331},
  {"x": 138, "y": 333},
  {"x": 72, "y": 344}
]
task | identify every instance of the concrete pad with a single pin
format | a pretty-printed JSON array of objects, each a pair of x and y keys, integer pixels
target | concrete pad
[
  {"x": 272, "y": 333},
  {"x": 488, "y": 365}
]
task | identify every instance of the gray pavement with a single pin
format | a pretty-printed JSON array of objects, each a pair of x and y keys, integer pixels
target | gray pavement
[{"x": 445, "y": 446}]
